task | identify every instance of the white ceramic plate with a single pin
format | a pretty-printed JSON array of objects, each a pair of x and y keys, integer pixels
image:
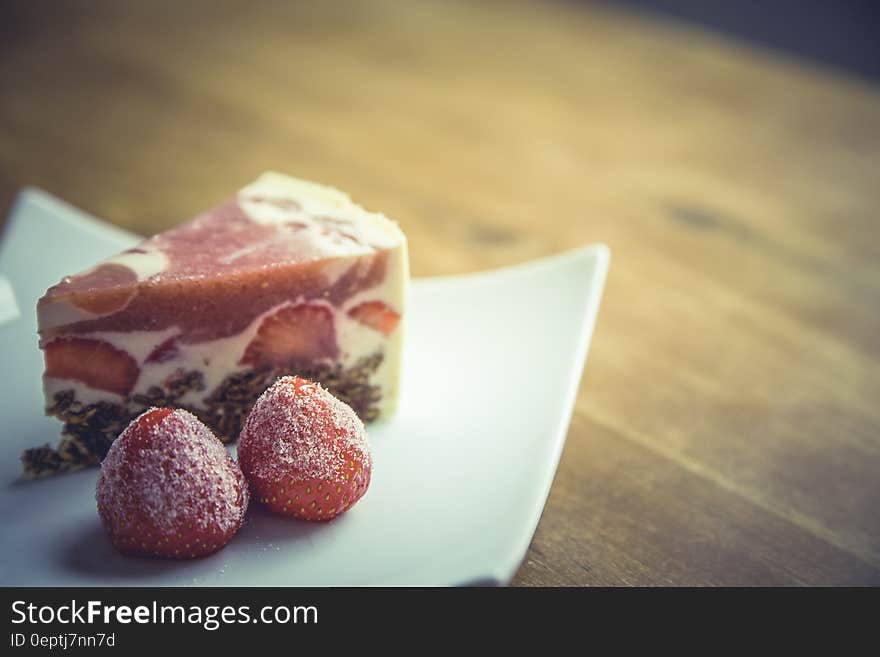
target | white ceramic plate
[{"x": 491, "y": 370}]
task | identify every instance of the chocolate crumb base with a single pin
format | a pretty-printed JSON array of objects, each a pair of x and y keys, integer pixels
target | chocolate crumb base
[{"x": 89, "y": 430}]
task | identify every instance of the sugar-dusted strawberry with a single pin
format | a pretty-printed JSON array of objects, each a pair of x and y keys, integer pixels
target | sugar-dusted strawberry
[
  {"x": 94, "y": 362},
  {"x": 304, "y": 452},
  {"x": 376, "y": 315},
  {"x": 168, "y": 488},
  {"x": 304, "y": 332}
]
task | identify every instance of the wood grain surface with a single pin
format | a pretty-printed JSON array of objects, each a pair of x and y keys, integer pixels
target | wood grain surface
[{"x": 727, "y": 429}]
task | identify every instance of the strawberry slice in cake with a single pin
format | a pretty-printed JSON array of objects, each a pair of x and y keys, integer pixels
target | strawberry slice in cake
[{"x": 288, "y": 277}]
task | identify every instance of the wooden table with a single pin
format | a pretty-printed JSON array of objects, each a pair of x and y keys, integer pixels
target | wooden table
[{"x": 727, "y": 429}]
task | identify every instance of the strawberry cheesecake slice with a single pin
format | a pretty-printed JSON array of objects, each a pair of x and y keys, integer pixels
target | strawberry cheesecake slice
[{"x": 287, "y": 277}]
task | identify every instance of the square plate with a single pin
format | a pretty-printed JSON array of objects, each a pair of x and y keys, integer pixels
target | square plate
[{"x": 461, "y": 473}]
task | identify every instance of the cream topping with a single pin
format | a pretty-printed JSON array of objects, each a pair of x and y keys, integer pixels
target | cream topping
[
  {"x": 326, "y": 217},
  {"x": 144, "y": 265}
]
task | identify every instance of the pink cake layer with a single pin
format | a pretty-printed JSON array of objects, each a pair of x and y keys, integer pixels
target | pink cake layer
[{"x": 221, "y": 270}]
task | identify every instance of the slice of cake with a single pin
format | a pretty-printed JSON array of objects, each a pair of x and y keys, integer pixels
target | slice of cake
[{"x": 288, "y": 277}]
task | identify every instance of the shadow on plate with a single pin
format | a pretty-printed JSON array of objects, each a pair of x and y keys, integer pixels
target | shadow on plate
[
  {"x": 49, "y": 480},
  {"x": 91, "y": 553},
  {"x": 265, "y": 530}
]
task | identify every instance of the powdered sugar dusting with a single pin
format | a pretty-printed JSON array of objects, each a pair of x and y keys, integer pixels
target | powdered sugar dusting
[
  {"x": 170, "y": 477},
  {"x": 306, "y": 430}
]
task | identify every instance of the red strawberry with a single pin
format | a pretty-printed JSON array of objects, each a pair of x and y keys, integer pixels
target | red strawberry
[
  {"x": 304, "y": 452},
  {"x": 294, "y": 333},
  {"x": 377, "y": 315},
  {"x": 163, "y": 352},
  {"x": 96, "y": 363},
  {"x": 169, "y": 489}
]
